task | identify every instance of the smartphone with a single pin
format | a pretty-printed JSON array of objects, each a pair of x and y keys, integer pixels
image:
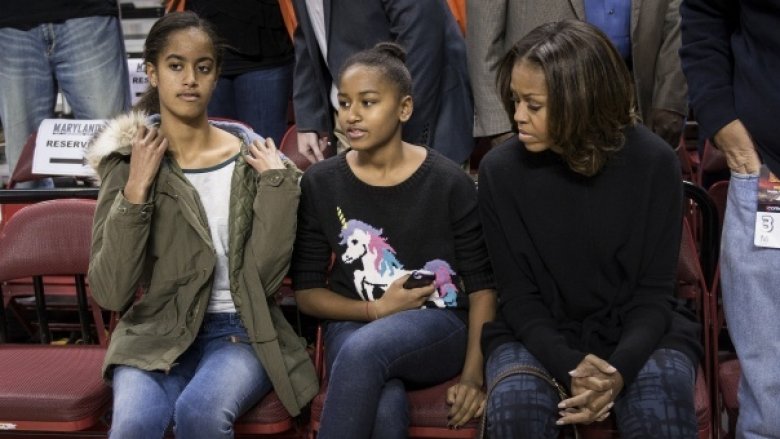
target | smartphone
[{"x": 419, "y": 278}]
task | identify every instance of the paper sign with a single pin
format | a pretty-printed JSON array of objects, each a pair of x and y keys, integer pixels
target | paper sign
[
  {"x": 138, "y": 80},
  {"x": 767, "y": 232},
  {"x": 60, "y": 146}
]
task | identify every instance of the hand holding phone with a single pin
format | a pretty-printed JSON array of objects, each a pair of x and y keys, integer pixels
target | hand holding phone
[{"x": 419, "y": 278}]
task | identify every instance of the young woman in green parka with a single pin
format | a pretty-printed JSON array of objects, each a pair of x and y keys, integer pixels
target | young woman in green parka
[{"x": 199, "y": 217}]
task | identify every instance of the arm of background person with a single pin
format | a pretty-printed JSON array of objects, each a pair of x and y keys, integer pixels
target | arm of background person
[
  {"x": 670, "y": 93},
  {"x": 707, "y": 60},
  {"x": 312, "y": 112},
  {"x": 707, "y": 27}
]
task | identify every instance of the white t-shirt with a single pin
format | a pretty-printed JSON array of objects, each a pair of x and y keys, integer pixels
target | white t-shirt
[{"x": 213, "y": 186}]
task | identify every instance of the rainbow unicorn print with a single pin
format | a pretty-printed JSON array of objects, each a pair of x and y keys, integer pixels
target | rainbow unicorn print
[{"x": 380, "y": 266}]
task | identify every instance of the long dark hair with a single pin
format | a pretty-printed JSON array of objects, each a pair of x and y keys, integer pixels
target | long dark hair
[
  {"x": 158, "y": 39},
  {"x": 589, "y": 90}
]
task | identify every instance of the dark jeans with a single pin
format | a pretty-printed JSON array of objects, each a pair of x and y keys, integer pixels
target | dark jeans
[
  {"x": 258, "y": 98},
  {"x": 371, "y": 364}
]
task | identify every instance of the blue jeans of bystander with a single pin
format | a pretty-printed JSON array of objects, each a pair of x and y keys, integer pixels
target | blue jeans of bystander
[
  {"x": 84, "y": 56},
  {"x": 258, "y": 98}
]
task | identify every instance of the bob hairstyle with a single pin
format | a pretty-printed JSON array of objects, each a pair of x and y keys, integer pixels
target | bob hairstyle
[
  {"x": 590, "y": 96},
  {"x": 157, "y": 40}
]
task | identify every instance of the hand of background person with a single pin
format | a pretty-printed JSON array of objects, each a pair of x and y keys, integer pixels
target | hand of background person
[
  {"x": 466, "y": 400},
  {"x": 594, "y": 386},
  {"x": 397, "y": 298},
  {"x": 263, "y": 155},
  {"x": 148, "y": 148},
  {"x": 668, "y": 125},
  {"x": 311, "y": 145},
  {"x": 739, "y": 149}
]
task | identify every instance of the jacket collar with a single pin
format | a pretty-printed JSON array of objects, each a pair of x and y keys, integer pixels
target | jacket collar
[{"x": 117, "y": 136}]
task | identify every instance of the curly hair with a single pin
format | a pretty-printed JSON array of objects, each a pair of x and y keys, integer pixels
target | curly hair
[{"x": 590, "y": 92}]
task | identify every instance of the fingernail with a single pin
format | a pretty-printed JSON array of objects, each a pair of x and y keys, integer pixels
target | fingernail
[
  {"x": 559, "y": 422},
  {"x": 562, "y": 405}
]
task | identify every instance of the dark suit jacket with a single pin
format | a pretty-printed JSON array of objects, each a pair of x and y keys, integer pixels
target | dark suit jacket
[{"x": 435, "y": 56}]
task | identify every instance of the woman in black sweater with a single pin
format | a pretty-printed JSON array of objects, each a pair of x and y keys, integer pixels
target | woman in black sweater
[{"x": 582, "y": 217}]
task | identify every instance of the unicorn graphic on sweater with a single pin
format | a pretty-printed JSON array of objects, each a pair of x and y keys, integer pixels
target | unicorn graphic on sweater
[{"x": 381, "y": 267}]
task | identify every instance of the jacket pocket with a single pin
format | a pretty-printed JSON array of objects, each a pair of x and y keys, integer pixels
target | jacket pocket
[{"x": 158, "y": 311}]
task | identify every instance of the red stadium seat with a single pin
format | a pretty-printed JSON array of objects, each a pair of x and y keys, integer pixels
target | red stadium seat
[{"x": 44, "y": 387}]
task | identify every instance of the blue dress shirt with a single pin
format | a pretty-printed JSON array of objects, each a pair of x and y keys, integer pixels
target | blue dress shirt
[{"x": 613, "y": 17}]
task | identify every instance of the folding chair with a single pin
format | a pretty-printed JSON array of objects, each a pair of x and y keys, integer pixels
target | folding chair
[
  {"x": 725, "y": 364},
  {"x": 266, "y": 418},
  {"x": 22, "y": 172},
  {"x": 45, "y": 256},
  {"x": 44, "y": 387},
  {"x": 289, "y": 148}
]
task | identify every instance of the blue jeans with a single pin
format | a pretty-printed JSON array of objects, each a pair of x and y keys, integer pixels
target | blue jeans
[
  {"x": 657, "y": 404},
  {"x": 751, "y": 281},
  {"x": 258, "y": 98},
  {"x": 371, "y": 364},
  {"x": 214, "y": 382},
  {"x": 84, "y": 56}
]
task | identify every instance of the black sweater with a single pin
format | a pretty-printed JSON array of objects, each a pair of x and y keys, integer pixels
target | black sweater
[
  {"x": 586, "y": 264},
  {"x": 430, "y": 216},
  {"x": 731, "y": 58}
]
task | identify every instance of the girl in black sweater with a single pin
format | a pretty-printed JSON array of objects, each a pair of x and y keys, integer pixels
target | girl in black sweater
[
  {"x": 582, "y": 218},
  {"x": 385, "y": 208}
]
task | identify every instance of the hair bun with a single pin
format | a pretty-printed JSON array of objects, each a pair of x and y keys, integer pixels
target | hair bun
[{"x": 392, "y": 49}]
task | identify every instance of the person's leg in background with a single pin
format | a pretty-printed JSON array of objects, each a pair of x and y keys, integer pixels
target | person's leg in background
[
  {"x": 223, "y": 102},
  {"x": 27, "y": 86},
  {"x": 90, "y": 63},
  {"x": 750, "y": 279},
  {"x": 261, "y": 99}
]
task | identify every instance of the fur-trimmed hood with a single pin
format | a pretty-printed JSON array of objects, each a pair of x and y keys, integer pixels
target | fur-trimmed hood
[{"x": 117, "y": 136}]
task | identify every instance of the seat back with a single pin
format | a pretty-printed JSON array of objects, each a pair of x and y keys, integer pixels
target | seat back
[
  {"x": 23, "y": 170},
  {"x": 50, "y": 238}
]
